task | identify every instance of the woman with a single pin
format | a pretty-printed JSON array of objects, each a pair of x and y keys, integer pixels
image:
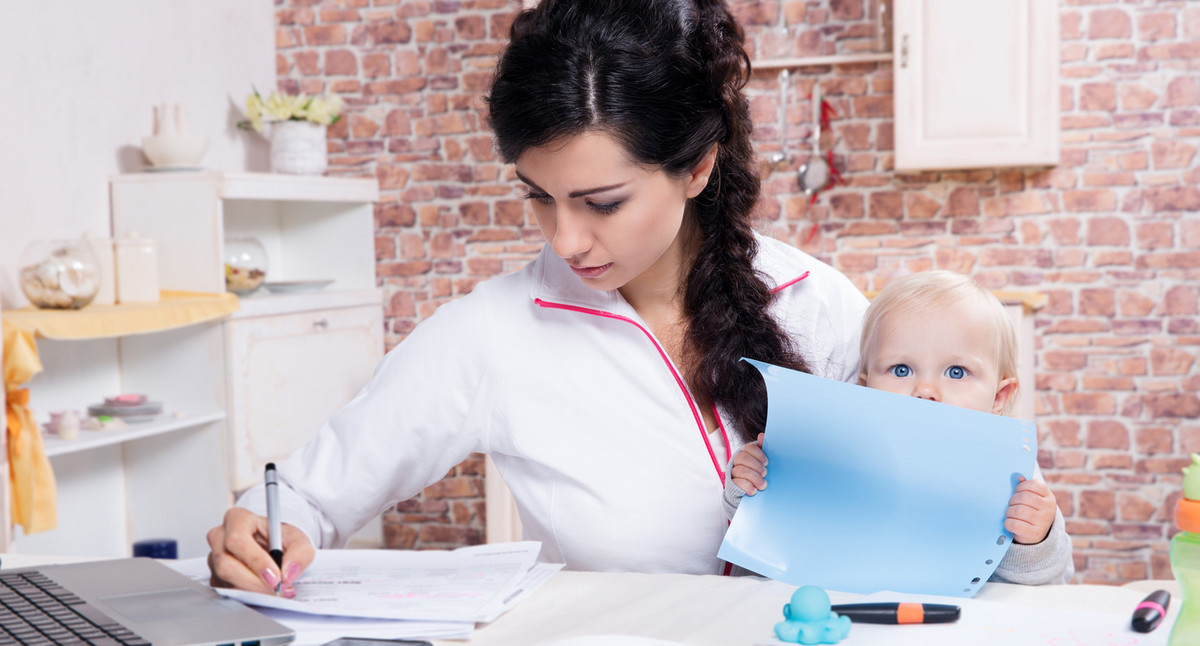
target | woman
[{"x": 604, "y": 377}]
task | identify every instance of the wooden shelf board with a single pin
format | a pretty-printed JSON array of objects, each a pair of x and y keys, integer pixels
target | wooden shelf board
[
  {"x": 816, "y": 61},
  {"x": 174, "y": 310},
  {"x": 1031, "y": 301}
]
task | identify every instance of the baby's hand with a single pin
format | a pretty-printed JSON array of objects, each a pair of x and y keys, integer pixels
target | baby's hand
[
  {"x": 1030, "y": 512},
  {"x": 750, "y": 467}
]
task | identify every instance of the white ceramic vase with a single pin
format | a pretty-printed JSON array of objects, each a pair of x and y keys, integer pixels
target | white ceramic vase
[{"x": 298, "y": 148}]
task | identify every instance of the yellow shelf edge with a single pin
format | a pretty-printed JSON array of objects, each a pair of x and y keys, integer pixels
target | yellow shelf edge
[{"x": 175, "y": 309}]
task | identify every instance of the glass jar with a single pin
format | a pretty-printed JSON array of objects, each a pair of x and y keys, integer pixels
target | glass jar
[
  {"x": 245, "y": 265},
  {"x": 137, "y": 269},
  {"x": 59, "y": 274}
]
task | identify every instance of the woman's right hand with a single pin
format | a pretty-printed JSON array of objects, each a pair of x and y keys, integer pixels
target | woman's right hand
[
  {"x": 749, "y": 469},
  {"x": 239, "y": 556}
]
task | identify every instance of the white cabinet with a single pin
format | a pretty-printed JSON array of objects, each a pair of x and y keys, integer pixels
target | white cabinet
[
  {"x": 288, "y": 373},
  {"x": 976, "y": 83}
]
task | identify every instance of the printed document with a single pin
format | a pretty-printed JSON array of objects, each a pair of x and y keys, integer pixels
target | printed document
[{"x": 469, "y": 584}]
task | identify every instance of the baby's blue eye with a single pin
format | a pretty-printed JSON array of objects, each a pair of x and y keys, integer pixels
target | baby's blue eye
[
  {"x": 956, "y": 372},
  {"x": 901, "y": 370}
]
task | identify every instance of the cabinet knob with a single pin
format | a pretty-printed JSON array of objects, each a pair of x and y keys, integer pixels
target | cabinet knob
[{"x": 320, "y": 324}]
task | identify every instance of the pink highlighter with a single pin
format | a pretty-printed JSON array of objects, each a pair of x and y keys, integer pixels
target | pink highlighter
[{"x": 1150, "y": 612}]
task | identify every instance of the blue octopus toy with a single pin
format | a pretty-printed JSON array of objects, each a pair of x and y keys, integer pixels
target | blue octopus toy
[{"x": 809, "y": 620}]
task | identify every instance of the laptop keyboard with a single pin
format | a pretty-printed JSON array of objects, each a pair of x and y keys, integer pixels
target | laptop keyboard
[{"x": 36, "y": 610}]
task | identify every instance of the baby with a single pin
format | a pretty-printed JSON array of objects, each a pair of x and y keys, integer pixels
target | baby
[{"x": 939, "y": 336}]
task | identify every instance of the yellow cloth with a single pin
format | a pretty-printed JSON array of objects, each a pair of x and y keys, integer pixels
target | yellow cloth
[
  {"x": 174, "y": 309},
  {"x": 30, "y": 477}
]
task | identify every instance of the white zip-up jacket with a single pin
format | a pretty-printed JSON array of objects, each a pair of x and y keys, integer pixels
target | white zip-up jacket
[{"x": 586, "y": 417}]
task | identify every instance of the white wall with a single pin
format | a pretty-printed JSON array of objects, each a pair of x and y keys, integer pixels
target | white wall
[{"x": 78, "y": 82}]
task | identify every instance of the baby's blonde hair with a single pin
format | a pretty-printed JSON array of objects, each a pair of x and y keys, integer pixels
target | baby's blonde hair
[{"x": 938, "y": 288}]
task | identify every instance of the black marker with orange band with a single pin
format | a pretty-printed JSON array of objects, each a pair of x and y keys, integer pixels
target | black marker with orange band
[{"x": 898, "y": 613}]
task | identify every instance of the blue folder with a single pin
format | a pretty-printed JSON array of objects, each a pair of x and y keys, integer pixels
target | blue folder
[{"x": 869, "y": 490}]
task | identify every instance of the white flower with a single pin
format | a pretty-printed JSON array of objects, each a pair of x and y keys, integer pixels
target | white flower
[
  {"x": 323, "y": 111},
  {"x": 280, "y": 107},
  {"x": 254, "y": 111},
  {"x": 285, "y": 107}
]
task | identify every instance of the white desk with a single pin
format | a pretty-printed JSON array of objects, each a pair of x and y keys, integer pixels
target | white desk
[
  {"x": 733, "y": 611},
  {"x": 739, "y": 611}
]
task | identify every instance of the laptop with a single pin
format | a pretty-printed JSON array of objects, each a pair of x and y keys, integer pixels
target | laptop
[{"x": 134, "y": 602}]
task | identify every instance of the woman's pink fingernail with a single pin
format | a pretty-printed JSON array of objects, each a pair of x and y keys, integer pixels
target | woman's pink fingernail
[
  {"x": 269, "y": 576},
  {"x": 291, "y": 574},
  {"x": 289, "y": 592}
]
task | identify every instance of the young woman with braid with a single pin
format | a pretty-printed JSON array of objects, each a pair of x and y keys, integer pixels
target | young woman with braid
[{"x": 604, "y": 377}]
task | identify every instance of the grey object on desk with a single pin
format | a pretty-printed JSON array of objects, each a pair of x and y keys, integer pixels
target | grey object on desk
[
  {"x": 138, "y": 413},
  {"x": 156, "y": 548},
  {"x": 158, "y": 604}
]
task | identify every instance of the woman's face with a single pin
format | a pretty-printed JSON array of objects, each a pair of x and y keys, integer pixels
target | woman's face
[{"x": 616, "y": 223}]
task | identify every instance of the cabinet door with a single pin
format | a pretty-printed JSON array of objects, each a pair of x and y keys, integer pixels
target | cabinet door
[
  {"x": 289, "y": 373},
  {"x": 976, "y": 83}
]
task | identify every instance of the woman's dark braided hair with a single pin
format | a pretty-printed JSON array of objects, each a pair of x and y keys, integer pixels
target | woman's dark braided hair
[{"x": 664, "y": 78}]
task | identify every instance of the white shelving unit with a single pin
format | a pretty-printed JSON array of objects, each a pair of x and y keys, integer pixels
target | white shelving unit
[
  {"x": 159, "y": 479},
  {"x": 237, "y": 391},
  {"x": 312, "y": 227},
  {"x": 290, "y": 359}
]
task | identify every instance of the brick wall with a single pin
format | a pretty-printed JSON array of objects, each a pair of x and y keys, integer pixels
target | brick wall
[{"x": 1111, "y": 235}]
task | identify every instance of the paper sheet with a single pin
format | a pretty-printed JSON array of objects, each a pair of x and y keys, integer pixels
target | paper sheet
[
  {"x": 314, "y": 630},
  {"x": 468, "y": 584},
  {"x": 985, "y": 623},
  {"x": 868, "y": 490}
]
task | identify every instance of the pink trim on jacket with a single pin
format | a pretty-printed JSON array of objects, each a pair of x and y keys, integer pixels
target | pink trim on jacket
[
  {"x": 712, "y": 454},
  {"x": 667, "y": 360},
  {"x": 791, "y": 282}
]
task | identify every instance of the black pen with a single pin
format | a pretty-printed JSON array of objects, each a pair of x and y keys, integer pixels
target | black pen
[
  {"x": 898, "y": 613},
  {"x": 274, "y": 541},
  {"x": 1150, "y": 612}
]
